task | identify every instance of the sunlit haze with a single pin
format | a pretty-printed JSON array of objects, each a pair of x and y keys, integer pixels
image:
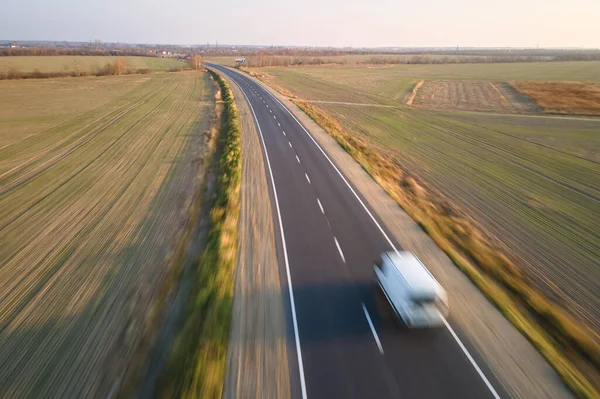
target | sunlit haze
[{"x": 356, "y": 23}]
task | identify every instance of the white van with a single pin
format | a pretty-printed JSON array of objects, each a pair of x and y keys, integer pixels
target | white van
[{"x": 414, "y": 294}]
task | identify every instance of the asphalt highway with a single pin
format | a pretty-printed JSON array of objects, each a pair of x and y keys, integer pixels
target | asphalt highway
[{"x": 345, "y": 342}]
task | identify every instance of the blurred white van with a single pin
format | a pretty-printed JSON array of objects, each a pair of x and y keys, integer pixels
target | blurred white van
[{"x": 415, "y": 295}]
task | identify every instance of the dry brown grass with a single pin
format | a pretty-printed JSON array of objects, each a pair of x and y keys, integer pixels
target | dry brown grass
[
  {"x": 563, "y": 97},
  {"x": 413, "y": 94},
  {"x": 555, "y": 333}
]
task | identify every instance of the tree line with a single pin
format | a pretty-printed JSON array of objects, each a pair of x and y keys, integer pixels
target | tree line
[
  {"x": 119, "y": 67},
  {"x": 279, "y": 60},
  {"x": 116, "y": 68},
  {"x": 47, "y": 51}
]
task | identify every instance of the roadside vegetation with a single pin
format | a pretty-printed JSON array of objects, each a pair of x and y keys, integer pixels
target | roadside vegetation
[
  {"x": 196, "y": 365},
  {"x": 96, "y": 176},
  {"x": 511, "y": 199}
]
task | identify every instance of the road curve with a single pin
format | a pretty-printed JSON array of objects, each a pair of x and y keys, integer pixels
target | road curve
[{"x": 345, "y": 340}]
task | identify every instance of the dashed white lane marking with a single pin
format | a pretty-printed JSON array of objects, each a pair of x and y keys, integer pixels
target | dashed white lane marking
[
  {"x": 337, "y": 244},
  {"x": 264, "y": 102},
  {"x": 307, "y": 178},
  {"x": 297, "y": 159},
  {"x": 372, "y": 329},
  {"x": 321, "y": 206},
  {"x": 290, "y": 144},
  {"x": 267, "y": 105},
  {"x": 456, "y": 338},
  {"x": 278, "y": 124},
  {"x": 271, "y": 111},
  {"x": 274, "y": 117},
  {"x": 283, "y": 131}
]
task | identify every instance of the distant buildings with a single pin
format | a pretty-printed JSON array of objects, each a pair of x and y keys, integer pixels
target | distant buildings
[{"x": 10, "y": 45}]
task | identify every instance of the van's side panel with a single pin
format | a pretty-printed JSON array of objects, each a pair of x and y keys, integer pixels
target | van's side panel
[{"x": 394, "y": 289}]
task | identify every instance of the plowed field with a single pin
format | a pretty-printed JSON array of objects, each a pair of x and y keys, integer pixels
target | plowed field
[
  {"x": 472, "y": 96},
  {"x": 92, "y": 198}
]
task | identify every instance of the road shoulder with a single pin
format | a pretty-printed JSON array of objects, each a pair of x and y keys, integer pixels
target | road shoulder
[{"x": 257, "y": 360}]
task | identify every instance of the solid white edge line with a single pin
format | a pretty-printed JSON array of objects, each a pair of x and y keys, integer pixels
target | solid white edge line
[
  {"x": 113, "y": 388},
  {"x": 468, "y": 355},
  {"x": 285, "y": 255},
  {"x": 321, "y": 206},
  {"x": 337, "y": 244},
  {"x": 458, "y": 341},
  {"x": 307, "y": 178},
  {"x": 377, "y": 341}
]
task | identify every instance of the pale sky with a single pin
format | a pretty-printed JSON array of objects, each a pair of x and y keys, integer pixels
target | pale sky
[{"x": 356, "y": 23}]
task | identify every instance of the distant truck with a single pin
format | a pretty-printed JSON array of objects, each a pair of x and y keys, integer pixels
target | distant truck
[{"x": 416, "y": 297}]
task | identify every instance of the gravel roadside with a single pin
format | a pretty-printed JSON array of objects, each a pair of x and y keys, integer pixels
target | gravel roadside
[
  {"x": 523, "y": 372},
  {"x": 257, "y": 360}
]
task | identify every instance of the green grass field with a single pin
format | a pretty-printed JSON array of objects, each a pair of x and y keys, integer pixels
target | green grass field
[
  {"x": 532, "y": 182},
  {"x": 95, "y": 177},
  {"x": 68, "y": 63},
  {"x": 394, "y": 82}
]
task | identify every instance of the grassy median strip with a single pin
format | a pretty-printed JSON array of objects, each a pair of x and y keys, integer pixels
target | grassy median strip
[
  {"x": 555, "y": 334},
  {"x": 196, "y": 364}
]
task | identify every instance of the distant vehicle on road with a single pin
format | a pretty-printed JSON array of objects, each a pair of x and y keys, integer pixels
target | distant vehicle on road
[
  {"x": 241, "y": 60},
  {"x": 416, "y": 297}
]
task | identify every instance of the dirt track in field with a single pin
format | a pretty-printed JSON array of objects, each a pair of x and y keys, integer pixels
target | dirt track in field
[{"x": 472, "y": 96}]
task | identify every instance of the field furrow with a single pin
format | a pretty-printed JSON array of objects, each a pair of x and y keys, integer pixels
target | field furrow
[{"x": 89, "y": 237}]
